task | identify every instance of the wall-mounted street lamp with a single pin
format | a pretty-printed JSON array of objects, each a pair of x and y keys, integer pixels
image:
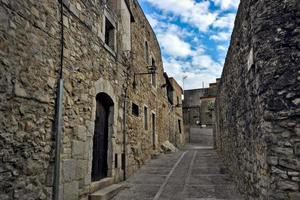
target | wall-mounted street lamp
[{"x": 151, "y": 70}]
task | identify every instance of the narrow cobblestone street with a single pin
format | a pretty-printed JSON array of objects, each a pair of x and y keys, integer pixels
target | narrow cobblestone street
[
  {"x": 191, "y": 174},
  {"x": 149, "y": 100}
]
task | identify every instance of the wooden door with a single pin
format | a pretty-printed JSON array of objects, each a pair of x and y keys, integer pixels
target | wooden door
[{"x": 100, "y": 142}]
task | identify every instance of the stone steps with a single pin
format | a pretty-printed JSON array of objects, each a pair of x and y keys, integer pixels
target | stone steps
[
  {"x": 106, "y": 193},
  {"x": 103, "y": 183}
]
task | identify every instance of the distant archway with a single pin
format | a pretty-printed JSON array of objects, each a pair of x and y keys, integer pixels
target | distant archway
[{"x": 103, "y": 121}]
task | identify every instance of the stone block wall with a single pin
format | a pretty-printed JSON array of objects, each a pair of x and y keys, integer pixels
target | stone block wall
[
  {"x": 30, "y": 40},
  {"x": 153, "y": 97},
  {"x": 177, "y": 134},
  {"x": 198, "y": 105},
  {"x": 29, "y": 60},
  {"x": 258, "y": 103}
]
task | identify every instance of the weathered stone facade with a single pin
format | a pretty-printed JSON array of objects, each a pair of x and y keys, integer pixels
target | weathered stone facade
[
  {"x": 198, "y": 106},
  {"x": 104, "y": 46},
  {"x": 176, "y": 131},
  {"x": 258, "y": 110}
]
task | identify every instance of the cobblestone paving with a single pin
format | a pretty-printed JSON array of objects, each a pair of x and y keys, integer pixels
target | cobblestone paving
[
  {"x": 192, "y": 174},
  {"x": 201, "y": 136}
]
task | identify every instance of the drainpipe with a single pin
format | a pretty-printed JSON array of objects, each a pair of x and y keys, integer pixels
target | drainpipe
[
  {"x": 175, "y": 125},
  {"x": 170, "y": 119},
  {"x": 124, "y": 135},
  {"x": 58, "y": 113}
]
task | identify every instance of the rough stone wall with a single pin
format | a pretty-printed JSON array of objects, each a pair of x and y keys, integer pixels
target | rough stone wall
[
  {"x": 177, "y": 136},
  {"x": 192, "y": 97},
  {"x": 30, "y": 58},
  {"x": 206, "y": 110},
  {"x": 145, "y": 94},
  {"x": 258, "y": 101},
  {"x": 198, "y": 105},
  {"x": 191, "y": 105}
]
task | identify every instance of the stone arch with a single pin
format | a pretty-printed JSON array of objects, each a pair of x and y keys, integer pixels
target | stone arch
[
  {"x": 105, "y": 87},
  {"x": 102, "y": 136}
]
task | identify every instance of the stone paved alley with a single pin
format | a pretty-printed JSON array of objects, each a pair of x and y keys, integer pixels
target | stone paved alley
[
  {"x": 191, "y": 174},
  {"x": 91, "y": 90}
]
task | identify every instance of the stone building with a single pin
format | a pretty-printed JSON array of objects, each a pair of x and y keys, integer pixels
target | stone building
[
  {"x": 198, "y": 106},
  {"x": 258, "y": 103},
  {"x": 174, "y": 94},
  {"x": 114, "y": 108}
]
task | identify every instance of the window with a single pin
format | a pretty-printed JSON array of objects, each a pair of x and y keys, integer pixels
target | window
[
  {"x": 178, "y": 103},
  {"x": 146, "y": 118},
  {"x": 135, "y": 109},
  {"x": 109, "y": 34},
  {"x": 116, "y": 160},
  {"x": 123, "y": 161},
  {"x": 179, "y": 125},
  {"x": 146, "y": 52},
  {"x": 153, "y": 131},
  {"x": 153, "y": 76},
  {"x": 170, "y": 94}
]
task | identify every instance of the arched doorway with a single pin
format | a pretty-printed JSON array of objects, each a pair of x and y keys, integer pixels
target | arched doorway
[{"x": 104, "y": 112}]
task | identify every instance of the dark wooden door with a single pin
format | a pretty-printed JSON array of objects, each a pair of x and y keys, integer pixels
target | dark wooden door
[
  {"x": 100, "y": 145},
  {"x": 153, "y": 130}
]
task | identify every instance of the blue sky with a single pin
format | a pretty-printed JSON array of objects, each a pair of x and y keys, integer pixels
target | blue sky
[{"x": 194, "y": 36}]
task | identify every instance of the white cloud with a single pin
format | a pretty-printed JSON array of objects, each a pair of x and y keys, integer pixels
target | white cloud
[
  {"x": 162, "y": 25},
  {"x": 206, "y": 62},
  {"x": 153, "y": 21},
  {"x": 184, "y": 53},
  {"x": 227, "y": 4},
  {"x": 195, "y": 13},
  {"x": 226, "y": 21},
  {"x": 173, "y": 5},
  {"x": 171, "y": 37},
  {"x": 222, "y": 48},
  {"x": 173, "y": 66},
  {"x": 194, "y": 80},
  {"x": 176, "y": 43},
  {"x": 221, "y": 36},
  {"x": 174, "y": 46},
  {"x": 201, "y": 68}
]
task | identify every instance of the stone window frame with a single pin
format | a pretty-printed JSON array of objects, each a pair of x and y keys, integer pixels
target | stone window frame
[
  {"x": 132, "y": 109},
  {"x": 107, "y": 15},
  {"x": 154, "y": 86},
  {"x": 146, "y": 52},
  {"x": 105, "y": 86},
  {"x": 179, "y": 121},
  {"x": 121, "y": 26},
  {"x": 146, "y": 123},
  {"x": 111, "y": 4}
]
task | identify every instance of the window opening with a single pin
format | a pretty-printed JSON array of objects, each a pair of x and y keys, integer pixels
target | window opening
[
  {"x": 109, "y": 34},
  {"x": 146, "y": 118},
  {"x": 135, "y": 109},
  {"x": 179, "y": 125}
]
